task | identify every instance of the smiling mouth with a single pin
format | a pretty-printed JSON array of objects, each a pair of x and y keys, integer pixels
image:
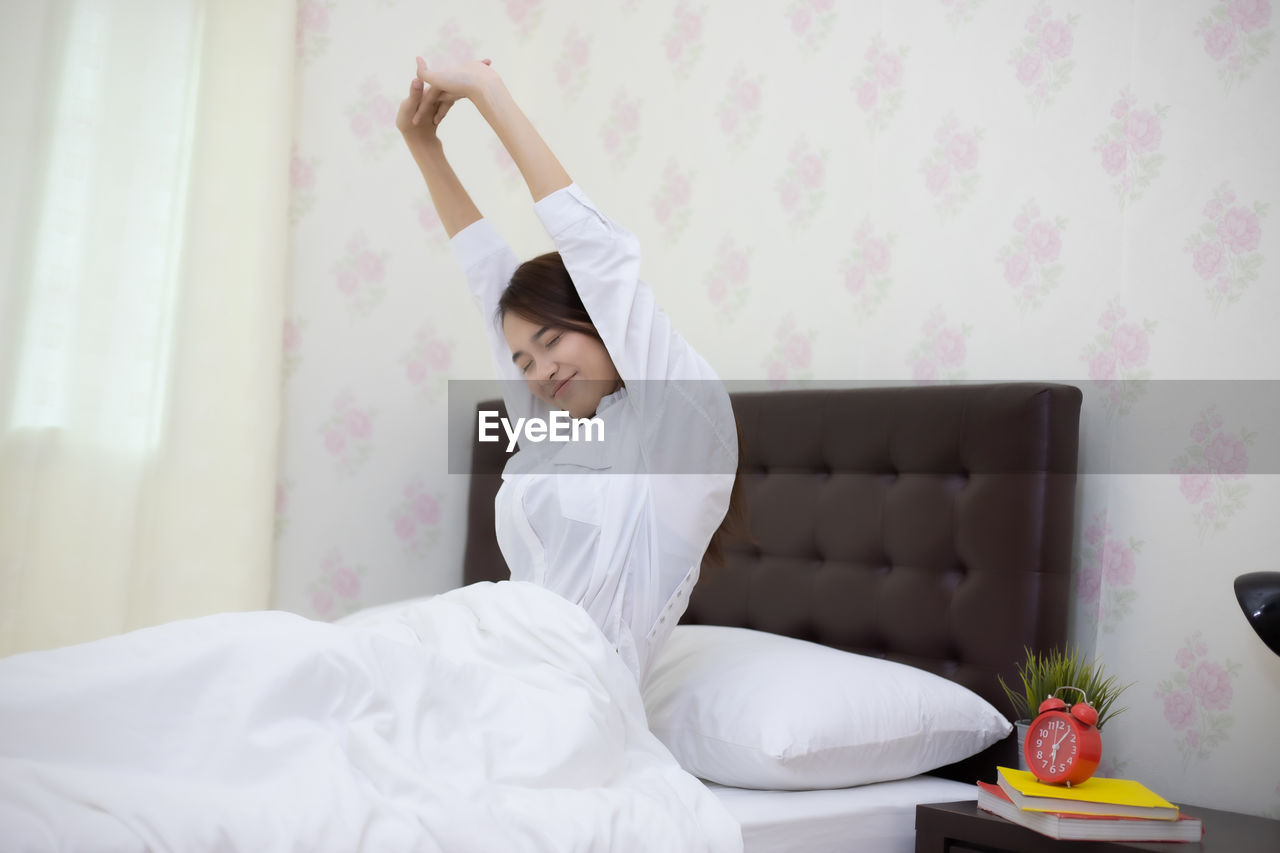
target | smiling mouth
[{"x": 560, "y": 387}]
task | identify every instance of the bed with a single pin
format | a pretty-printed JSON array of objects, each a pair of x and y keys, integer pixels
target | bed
[
  {"x": 926, "y": 529},
  {"x": 928, "y": 526}
]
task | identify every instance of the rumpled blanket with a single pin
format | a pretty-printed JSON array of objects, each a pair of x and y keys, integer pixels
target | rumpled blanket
[{"x": 495, "y": 717}]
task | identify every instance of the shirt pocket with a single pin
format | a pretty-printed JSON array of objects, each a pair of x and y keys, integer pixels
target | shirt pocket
[{"x": 580, "y": 484}]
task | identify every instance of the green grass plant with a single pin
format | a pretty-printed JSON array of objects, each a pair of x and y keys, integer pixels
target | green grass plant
[{"x": 1042, "y": 675}]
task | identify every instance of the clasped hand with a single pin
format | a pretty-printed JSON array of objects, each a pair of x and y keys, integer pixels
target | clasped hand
[{"x": 432, "y": 93}]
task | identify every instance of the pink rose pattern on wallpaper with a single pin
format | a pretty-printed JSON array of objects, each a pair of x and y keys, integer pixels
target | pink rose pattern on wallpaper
[
  {"x": 302, "y": 185},
  {"x": 335, "y": 591},
  {"x": 671, "y": 203},
  {"x": 1197, "y": 700},
  {"x": 942, "y": 350},
  {"x": 1105, "y": 573},
  {"x": 571, "y": 65},
  {"x": 866, "y": 269},
  {"x": 1210, "y": 472},
  {"x": 312, "y": 33},
  {"x": 683, "y": 40},
  {"x": 960, "y": 11},
  {"x": 359, "y": 276},
  {"x": 1042, "y": 61},
  {"x": 951, "y": 169},
  {"x": 878, "y": 88},
  {"x": 1112, "y": 765},
  {"x": 1030, "y": 260},
  {"x": 432, "y": 228},
  {"x": 792, "y": 353},
  {"x": 291, "y": 344},
  {"x": 1119, "y": 352},
  {"x": 727, "y": 282},
  {"x": 1129, "y": 148},
  {"x": 740, "y": 109},
  {"x": 811, "y": 21},
  {"x": 621, "y": 131},
  {"x": 800, "y": 188},
  {"x": 416, "y": 518},
  {"x": 371, "y": 118},
  {"x": 1224, "y": 252},
  {"x": 524, "y": 14},
  {"x": 451, "y": 47},
  {"x": 347, "y": 434},
  {"x": 1236, "y": 37},
  {"x": 427, "y": 363}
]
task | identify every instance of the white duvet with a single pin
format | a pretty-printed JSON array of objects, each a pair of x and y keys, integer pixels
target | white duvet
[{"x": 494, "y": 717}]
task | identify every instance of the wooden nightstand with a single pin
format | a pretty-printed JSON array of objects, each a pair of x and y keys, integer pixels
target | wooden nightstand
[{"x": 962, "y": 828}]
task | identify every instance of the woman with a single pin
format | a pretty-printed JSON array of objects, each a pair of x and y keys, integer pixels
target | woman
[
  {"x": 491, "y": 717},
  {"x": 620, "y": 528}
]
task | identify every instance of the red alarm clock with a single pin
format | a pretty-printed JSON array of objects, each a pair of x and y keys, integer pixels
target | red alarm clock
[{"x": 1063, "y": 745}]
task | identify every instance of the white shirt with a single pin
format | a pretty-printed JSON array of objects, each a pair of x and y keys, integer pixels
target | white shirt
[{"x": 619, "y": 528}]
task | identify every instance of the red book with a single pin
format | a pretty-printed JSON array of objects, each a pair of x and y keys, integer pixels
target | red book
[{"x": 1087, "y": 827}]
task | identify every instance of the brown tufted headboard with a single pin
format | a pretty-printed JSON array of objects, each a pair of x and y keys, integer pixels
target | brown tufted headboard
[{"x": 931, "y": 525}]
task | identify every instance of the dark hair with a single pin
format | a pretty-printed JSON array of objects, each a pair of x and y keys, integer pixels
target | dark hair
[{"x": 542, "y": 291}]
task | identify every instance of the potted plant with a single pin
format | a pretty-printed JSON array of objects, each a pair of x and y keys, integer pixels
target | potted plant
[{"x": 1040, "y": 676}]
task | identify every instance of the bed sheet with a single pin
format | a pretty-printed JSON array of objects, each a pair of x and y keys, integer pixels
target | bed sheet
[{"x": 879, "y": 817}]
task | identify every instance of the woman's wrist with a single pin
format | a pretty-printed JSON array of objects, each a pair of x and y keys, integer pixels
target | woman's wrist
[
  {"x": 492, "y": 95},
  {"x": 425, "y": 149}
]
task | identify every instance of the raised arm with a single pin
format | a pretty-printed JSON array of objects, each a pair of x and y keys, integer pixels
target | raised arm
[
  {"x": 481, "y": 84},
  {"x": 453, "y": 205},
  {"x": 483, "y": 255}
]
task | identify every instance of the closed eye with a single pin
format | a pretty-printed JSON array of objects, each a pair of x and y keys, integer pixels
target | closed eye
[{"x": 548, "y": 345}]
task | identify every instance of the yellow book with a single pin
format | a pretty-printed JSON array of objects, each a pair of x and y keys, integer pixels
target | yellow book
[{"x": 1097, "y": 796}]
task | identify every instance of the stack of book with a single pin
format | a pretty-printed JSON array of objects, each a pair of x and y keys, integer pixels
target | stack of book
[{"x": 1097, "y": 809}]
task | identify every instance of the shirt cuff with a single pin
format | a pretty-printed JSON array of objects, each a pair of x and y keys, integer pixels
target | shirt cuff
[
  {"x": 563, "y": 208},
  {"x": 476, "y": 242}
]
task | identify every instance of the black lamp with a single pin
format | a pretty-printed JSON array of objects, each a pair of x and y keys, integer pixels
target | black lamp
[{"x": 1259, "y": 597}]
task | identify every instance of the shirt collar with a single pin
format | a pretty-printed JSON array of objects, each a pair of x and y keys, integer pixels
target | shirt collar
[{"x": 609, "y": 399}]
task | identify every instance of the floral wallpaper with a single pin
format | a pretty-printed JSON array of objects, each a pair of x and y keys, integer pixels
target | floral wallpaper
[
  {"x": 1042, "y": 61},
  {"x": 1197, "y": 699},
  {"x": 1224, "y": 250},
  {"x": 918, "y": 190},
  {"x": 1211, "y": 473},
  {"x": 1104, "y": 575}
]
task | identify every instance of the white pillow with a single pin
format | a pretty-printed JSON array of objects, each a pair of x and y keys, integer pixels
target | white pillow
[{"x": 757, "y": 710}]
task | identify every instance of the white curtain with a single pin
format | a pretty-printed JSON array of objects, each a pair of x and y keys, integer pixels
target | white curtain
[{"x": 144, "y": 178}]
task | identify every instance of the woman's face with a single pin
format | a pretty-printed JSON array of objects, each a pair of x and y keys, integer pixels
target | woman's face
[{"x": 566, "y": 369}]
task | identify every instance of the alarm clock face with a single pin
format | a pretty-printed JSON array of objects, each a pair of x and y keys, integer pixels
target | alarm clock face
[{"x": 1053, "y": 748}]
